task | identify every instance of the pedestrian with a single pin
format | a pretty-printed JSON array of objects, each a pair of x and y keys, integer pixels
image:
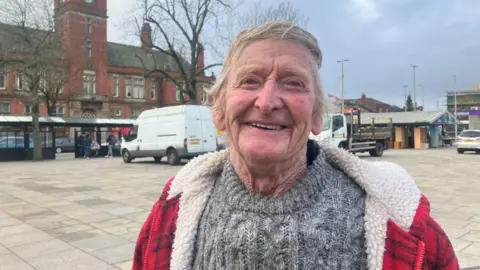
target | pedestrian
[
  {"x": 277, "y": 200},
  {"x": 87, "y": 146},
  {"x": 110, "y": 143}
]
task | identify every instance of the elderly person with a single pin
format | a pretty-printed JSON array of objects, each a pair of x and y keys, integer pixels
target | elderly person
[{"x": 276, "y": 200}]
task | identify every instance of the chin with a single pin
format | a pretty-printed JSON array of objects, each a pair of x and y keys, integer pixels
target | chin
[{"x": 263, "y": 151}]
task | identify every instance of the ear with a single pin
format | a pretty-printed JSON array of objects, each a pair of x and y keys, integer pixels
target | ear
[
  {"x": 317, "y": 122},
  {"x": 219, "y": 120}
]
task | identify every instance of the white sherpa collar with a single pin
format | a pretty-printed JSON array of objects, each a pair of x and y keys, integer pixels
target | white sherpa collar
[{"x": 391, "y": 194}]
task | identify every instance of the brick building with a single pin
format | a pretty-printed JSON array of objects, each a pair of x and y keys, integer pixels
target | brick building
[
  {"x": 369, "y": 104},
  {"x": 107, "y": 79}
]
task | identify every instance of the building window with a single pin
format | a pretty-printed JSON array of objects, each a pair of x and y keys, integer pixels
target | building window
[
  {"x": 153, "y": 89},
  {"x": 27, "y": 108},
  {"x": 89, "y": 48},
  {"x": 89, "y": 82},
  {"x": 178, "y": 91},
  {"x": 204, "y": 96},
  {"x": 116, "y": 86},
  {"x": 134, "y": 88},
  {"x": 135, "y": 113},
  {"x": 22, "y": 82},
  {"x": 3, "y": 80},
  {"x": 58, "y": 110},
  {"x": 116, "y": 112},
  {"x": 89, "y": 26},
  {"x": 4, "y": 108}
]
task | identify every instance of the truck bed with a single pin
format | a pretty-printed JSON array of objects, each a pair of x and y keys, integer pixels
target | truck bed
[{"x": 369, "y": 133}]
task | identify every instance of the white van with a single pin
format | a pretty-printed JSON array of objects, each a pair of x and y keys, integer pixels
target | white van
[{"x": 183, "y": 131}]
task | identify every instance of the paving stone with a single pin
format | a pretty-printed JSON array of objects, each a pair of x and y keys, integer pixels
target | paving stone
[
  {"x": 51, "y": 246},
  {"x": 110, "y": 223},
  {"x": 456, "y": 233},
  {"x": 94, "y": 202},
  {"x": 24, "y": 239},
  {"x": 116, "y": 254},
  {"x": 123, "y": 229},
  {"x": 459, "y": 244},
  {"x": 13, "y": 262},
  {"x": 93, "y": 218},
  {"x": 473, "y": 236},
  {"x": 4, "y": 215},
  {"x": 16, "y": 229},
  {"x": 125, "y": 265},
  {"x": 466, "y": 261},
  {"x": 10, "y": 221},
  {"x": 132, "y": 237},
  {"x": 3, "y": 251},
  {"x": 46, "y": 221},
  {"x": 475, "y": 218},
  {"x": 80, "y": 235},
  {"x": 473, "y": 249},
  {"x": 69, "y": 229},
  {"x": 138, "y": 217},
  {"x": 473, "y": 226},
  {"x": 99, "y": 242},
  {"x": 70, "y": 259},
  {"x": 57, "y": 224}
]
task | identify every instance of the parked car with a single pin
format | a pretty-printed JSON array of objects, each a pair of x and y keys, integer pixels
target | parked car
[
  {"x": 468, "y": 140},
  {"x": 66, "y": 145},
  {"x": 14, "y": 142}
]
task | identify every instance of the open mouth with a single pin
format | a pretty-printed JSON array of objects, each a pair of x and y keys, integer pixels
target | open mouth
[{"x": 267, "y": 127}]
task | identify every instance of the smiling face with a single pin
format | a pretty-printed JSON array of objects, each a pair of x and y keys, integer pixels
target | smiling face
[{"x": 270, "y": 101}]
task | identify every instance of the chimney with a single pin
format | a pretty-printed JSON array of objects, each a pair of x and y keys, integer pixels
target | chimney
[
  {"x": 201, "y": 57},
  {"x": 146, "y": 37},
  {"x": 364, "y": 96}
]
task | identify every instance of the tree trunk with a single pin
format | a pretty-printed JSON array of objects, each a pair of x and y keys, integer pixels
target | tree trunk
[{"x": 37, "y": 136}]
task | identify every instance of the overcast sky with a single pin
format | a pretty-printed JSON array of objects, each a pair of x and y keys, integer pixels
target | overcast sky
[{"x": 382, "y": 39}]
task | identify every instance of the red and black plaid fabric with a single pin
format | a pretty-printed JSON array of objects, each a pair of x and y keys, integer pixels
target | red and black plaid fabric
[
  {"x": 424, "y": 247},
  {"x": 154, "y": 245}
]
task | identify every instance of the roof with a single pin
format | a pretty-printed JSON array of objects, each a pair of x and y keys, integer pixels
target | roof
[
  {"x": 118, "y": 55},
  {"x": 411, "y": 118},
  {"x": 62, "y": 121},
  {"x": 121, "y": 55},
  {"x": 15, "y": 39},
  {"x": 475, "y": 88}
]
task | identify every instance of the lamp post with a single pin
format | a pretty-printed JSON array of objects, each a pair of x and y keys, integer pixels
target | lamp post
[
  {"x": 343, "y": 84},
  {"x": 414, "y": 89},
  {"x": 455, "y": 102},
  {"x": 405, "y": 102}
]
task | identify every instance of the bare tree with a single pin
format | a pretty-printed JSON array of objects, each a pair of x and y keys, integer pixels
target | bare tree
[
  {"x": 178, "y": 33},
  {"x": 282, "y": 11},
  {"x": 31, "y": 50}
]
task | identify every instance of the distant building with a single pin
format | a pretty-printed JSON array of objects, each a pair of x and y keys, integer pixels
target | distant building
[
  {"x": 111, "y": 82},
  {"x": 369, "y": 104},
  {"x": 468, "y": 105}
]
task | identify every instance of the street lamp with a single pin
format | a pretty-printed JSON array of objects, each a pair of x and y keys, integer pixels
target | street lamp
[
  {"x": 455, "y": 102},
  {"x": 343, "y": 84},
  {"x": 405, "y": 102},
  {"x": 414, "y": 88}
]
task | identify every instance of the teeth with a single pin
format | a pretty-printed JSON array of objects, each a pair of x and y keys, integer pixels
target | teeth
[{"x": 266, "y": 126}]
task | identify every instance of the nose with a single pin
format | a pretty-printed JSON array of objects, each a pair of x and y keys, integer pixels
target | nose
[{"x": 268, "y": 98}]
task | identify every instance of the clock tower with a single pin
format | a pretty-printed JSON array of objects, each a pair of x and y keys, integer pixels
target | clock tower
[{"x": 82, "y": 27}]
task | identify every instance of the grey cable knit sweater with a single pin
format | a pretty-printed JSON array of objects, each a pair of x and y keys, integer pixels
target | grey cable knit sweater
[{"x": 318, "y": 224}]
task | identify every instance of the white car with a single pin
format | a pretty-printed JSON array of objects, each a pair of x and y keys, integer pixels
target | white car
[{"x": 468, "y": 140}]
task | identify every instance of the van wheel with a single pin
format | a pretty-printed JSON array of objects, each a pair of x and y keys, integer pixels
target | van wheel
[
  {"x": 378, "y": 151},
  {"x": 157, "y": 159},
  {"x": 173, "y": 158},
  {"x": 127, "y": 157},
  {"x": 460, "y": 151}
]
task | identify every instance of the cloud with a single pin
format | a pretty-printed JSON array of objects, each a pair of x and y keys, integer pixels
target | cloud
[{"x": 366, "y": 10}]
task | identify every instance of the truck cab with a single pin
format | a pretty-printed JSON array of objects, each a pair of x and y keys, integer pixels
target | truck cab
[{"x": 348, "y": 132}]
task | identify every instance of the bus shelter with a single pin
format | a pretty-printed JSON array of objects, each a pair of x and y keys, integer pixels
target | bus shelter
[{"x": 16, "y": 141}]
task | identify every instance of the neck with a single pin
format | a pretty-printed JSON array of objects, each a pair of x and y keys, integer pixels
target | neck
[{"x": 272, "y": 178}]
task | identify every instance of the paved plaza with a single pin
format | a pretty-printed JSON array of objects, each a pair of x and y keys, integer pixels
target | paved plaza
[{"x": 86, "y": 214}]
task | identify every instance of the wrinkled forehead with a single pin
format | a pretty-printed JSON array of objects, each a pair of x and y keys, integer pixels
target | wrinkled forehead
[{"x": 292, "y": 56}]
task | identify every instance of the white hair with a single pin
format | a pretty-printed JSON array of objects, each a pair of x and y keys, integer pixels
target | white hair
[{"x": 277, "y": 30}]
